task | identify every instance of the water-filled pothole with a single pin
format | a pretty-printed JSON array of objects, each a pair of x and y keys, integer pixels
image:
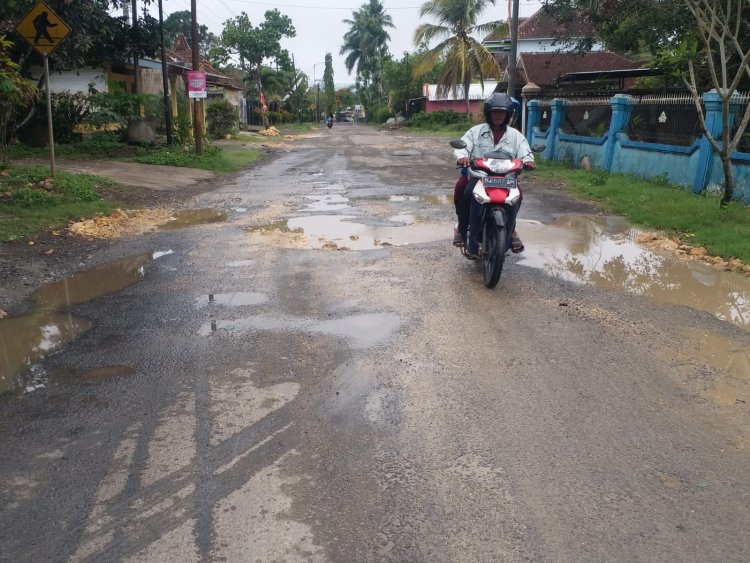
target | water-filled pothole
[
  {"x": 601, "y": 251},
  {"x": 191, "y": 217},
  {"x": 342, "y": 231},
  {"x": 26, "y": 340}
]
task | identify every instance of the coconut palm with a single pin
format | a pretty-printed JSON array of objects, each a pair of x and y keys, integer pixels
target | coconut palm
[
  {"x": 464, "y": 57},
  {"x": 366, "y": 42}
]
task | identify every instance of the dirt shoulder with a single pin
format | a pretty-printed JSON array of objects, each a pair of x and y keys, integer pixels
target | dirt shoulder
[{"x": 156, "y": 190}]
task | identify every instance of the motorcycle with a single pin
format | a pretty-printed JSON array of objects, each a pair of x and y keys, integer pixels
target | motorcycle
[
  {"x": 499, "y": 197},
  {"x": 329, "y": 122}
]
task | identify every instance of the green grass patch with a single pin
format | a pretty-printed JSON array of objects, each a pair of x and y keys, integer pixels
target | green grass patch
[
  {"x": 697, "y": 219},
  {"x": 31, "y": 202},
  {"x": 100, "y": 145},
  {"x": 296, "y": 128},
  {"x": 212, "y": 159}
]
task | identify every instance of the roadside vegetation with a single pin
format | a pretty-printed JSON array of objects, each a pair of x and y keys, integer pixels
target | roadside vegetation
[
  {"x": 31, "y": 202},
  {"x": 697, "y": 220}
]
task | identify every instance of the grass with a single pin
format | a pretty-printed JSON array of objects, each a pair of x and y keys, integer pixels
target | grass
[
  {"x": 32, "y": 203},
  {"x": 212, "y": 159},
  {"x": 696, "y": 219},
  {"x": 107, "y": 147}
]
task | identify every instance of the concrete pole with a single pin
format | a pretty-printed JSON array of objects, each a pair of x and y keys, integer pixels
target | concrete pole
[
  {"x": 513, "y": 55},
  {"x": 197, "y": 102}
]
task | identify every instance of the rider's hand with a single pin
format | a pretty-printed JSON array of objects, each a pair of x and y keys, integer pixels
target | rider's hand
[
  {"x": 462, "y": 162},
  {"x": 531, "y": 165}
]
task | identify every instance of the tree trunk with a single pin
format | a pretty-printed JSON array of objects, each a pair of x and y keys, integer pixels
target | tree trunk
[
  {"x": 467, "y": 83},
  {"x": 263, "y": 112},
  {"x": 726, "y": 162}
]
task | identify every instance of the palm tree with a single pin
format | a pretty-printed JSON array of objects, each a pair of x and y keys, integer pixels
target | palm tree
[
  {"x": 464, "y": 57},
  {"x": 365, "y": 44}
]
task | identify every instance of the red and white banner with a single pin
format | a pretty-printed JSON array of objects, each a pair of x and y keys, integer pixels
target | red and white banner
[{"x": 197, "y": 84}]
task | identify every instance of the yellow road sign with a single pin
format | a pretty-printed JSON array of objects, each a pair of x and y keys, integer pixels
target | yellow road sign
[{"x": 43, "y": 28}]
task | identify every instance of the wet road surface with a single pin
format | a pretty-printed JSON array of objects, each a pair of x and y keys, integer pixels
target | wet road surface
[{"x": 304, "y": 369}]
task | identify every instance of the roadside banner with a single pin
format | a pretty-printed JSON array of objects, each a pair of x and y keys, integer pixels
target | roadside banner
[{"x": 197, "y": 84}]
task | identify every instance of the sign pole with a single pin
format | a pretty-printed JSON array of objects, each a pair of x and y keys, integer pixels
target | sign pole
[{"x": 49, "y": 116}]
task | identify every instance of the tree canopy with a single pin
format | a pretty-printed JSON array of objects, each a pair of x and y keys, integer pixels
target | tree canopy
[
  {"x": 366, "y": 46},
  {"x": 462, "y": 54}
]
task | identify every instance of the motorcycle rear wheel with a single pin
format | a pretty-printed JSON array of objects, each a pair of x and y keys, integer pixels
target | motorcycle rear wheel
[{"x": 495, "y": 243}]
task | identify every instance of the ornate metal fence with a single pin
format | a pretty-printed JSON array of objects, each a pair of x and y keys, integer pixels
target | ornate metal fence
[
  {"x": 667, "y": 120},
  {"x": 744, "y": 146},
  {"x": 588, "y": 117}
]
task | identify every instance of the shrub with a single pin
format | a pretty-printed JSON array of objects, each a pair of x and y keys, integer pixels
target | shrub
[
  {"x": 28, "y": 197},
  {"x": 440, "y": 119},
  {"x": 222, "y": 118}
]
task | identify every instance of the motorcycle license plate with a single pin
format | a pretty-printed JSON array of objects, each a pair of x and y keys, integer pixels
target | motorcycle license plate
[{"x": 498, "y": 182}]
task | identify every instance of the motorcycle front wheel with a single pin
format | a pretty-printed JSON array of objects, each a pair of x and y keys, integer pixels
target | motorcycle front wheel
[{"x": 495, "y": 244}]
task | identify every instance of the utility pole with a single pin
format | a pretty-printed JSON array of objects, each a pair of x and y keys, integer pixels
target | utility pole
[
  {"x": 197, "y": 102},
  {"x": 136, "y": 56},
  {"x": 513, "y": 55},
  {"x": 165, "y": 78}
]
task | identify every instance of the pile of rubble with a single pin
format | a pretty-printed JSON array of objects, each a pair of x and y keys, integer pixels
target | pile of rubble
[
  {"x": 690, "y": 253},
  {"x": 120, "y": 223},
  {"x": 270, "y": 132}
]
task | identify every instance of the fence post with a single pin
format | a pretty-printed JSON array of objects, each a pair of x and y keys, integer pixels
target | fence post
[
  {"x": 557, "y": 107},
  {"x": 622, "y": 108},
  {"x": 532, "y": 118},
  {"x": 712, "y": 103}
]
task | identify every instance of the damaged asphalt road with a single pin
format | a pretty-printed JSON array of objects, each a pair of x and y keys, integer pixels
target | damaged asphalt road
[{"x": 317, "y": 375}]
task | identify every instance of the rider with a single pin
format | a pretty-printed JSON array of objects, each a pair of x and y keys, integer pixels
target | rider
[{"x": 494, "y": 134}]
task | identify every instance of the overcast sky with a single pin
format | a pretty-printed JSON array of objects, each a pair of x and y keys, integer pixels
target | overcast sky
[{"x": 319, "y": 26}]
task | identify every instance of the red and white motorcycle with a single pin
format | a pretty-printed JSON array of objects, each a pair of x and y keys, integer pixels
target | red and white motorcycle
[{"x": 499, "y": 197}]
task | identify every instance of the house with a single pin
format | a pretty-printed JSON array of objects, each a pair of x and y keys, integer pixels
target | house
[
  {"x": 542, "y": 33},
  {"x": 454, "y": 100},
  {"x": 120, "y": 75},
  {"x": 218, "y": 84},
  {"x": 548, "y": 59}
]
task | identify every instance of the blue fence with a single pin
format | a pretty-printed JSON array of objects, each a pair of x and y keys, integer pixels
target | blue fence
[{"x": 692, "y": 164}]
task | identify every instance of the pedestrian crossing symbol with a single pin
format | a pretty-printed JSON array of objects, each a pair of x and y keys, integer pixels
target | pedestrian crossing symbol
[{"x": 43, "y": 28}]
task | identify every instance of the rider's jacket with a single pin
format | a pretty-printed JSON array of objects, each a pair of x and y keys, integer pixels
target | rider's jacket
[{"x": 479, "y": 141}]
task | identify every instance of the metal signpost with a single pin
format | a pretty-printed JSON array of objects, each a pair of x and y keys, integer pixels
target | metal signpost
[{"x": 44, "y": 30}]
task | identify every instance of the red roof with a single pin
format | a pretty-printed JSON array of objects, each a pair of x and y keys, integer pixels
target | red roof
[{"x": 543, "y": 69}]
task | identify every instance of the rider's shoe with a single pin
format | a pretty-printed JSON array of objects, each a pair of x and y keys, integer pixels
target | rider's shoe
[{"x": 457, "y": 238}]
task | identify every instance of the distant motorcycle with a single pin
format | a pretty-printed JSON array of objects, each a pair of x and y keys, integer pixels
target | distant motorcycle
[
  {"x": 329, "y": 121},
  {"x": 499, "y": 196}
]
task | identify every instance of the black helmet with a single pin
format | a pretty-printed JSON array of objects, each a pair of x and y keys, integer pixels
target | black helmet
[{"x": 499, "y": 101}]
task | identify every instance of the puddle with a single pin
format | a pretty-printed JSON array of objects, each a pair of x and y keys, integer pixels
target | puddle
[
  {"x": 92, "y": 284},
  {"x": 443, "y": 199},
  {"x": 362, "y": 331},
  {"x": 232, "y": 299},
  {"x": 26, "y": 340},
  {"x": 328, "y": 186},
  {"x": 329, "y": 202},
  {"x": 601, "y": 251},
  {"x": 190, "y": 217},
  {"x": 326, "y": 231}
]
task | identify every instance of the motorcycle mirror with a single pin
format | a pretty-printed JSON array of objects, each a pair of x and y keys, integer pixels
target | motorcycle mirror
[
  {"x": 458, "y": 144},
  {"x": 538, "y": 148}
]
